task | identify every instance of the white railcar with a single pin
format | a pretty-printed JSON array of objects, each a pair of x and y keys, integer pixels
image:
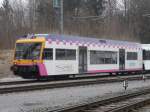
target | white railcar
[{"x": 65, "y": 55}]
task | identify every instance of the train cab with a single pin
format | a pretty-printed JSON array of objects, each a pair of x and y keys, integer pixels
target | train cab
[{"x": 28, "y": 57}]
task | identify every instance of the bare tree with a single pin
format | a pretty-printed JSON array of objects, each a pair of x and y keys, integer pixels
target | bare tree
[{"x": 125, "y": 20}]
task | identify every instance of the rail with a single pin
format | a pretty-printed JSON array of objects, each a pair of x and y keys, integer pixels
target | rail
[{"x": 60, "y": 84}]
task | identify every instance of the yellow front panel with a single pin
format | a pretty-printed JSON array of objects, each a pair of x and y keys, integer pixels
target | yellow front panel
[
  {"x": 31, "y": 40},
  {"x": 26, "y": 61}
]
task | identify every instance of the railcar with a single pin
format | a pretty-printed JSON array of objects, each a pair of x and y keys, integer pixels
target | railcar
[{"x": 47, "y": 55}]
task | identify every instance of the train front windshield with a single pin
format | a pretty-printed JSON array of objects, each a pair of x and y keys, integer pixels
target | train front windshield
[{"x": 28, "y": 51}]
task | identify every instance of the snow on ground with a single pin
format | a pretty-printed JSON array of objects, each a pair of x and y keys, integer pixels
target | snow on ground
[
  {"x": 8, "y": 79},
  {"x": 56, "y": 98},
  {"x": 6, "y": 57}
]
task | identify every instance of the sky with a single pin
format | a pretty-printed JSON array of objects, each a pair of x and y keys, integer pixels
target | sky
[
  {"x": 120, "y": 4},
  {"x": 1, "y": 1}
]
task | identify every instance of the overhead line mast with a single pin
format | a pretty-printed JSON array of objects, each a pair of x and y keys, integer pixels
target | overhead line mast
[
  {"x": 61, "y": 18},
  {"x": 58, "y": 4}
]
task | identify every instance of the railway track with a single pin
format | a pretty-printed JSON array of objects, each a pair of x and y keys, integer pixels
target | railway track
[
  {"x": 17, "y": 82},
  {"x": 55, "y": 79},
  {"x": 2, "y": 83},
  {"x": 120, "y": 103},
  {"x": 30, "y": 86},
  {"x": 52, "y": 79}
]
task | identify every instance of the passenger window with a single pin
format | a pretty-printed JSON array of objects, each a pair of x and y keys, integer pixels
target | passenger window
[
  {"x": 48, "y": 54},
  {"x": 146, "y": 54},
  {"x": 103, "y": 57},
  {"x": 132, "y": 56},
  {"x": 65, "y": 54}
]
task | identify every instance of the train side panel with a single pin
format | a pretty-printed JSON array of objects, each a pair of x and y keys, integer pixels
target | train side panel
[
  {"x": 134, "y": 64},
  {"x": 64, "y": 67},
  {"x": 146, "y": 57},
  {"x": 146, "y": 65},
  {"x": 98, "y": 67},
  {"x": 61, "y": 66}
]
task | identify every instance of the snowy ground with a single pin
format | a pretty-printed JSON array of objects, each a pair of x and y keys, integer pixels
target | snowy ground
[
  {"x": 9, "y": 79},
  {"x": 56, "y": 98},
  {"x": 6, "y": 57}
]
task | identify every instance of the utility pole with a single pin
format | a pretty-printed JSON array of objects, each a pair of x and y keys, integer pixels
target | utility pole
[
  {"x": 61, "y": 17},
  {"x": 58, "y": 5}
]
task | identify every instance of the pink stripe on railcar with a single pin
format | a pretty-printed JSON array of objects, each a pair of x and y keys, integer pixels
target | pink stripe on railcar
[
  {"x": 113, "y": 70},
  {"x": 102, "y": 71},
  {"x": 42, "y": 70}
]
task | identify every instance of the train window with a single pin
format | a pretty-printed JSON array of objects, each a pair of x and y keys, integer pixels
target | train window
[
  {"x": 71, "y": 54},
  {"x": 103, "y": 57},
  {"x": 28, "y": 51},
  {"x": 65, "y": 54},
  {"x": 60, "y": 54},
  {"x": 48, "y": 54},
  {"x": 146, "y": 55},
  {"x": 132, "y": 56}
]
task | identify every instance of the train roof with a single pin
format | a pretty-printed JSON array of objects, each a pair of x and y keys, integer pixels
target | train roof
[{"x": 68, "y": 38}]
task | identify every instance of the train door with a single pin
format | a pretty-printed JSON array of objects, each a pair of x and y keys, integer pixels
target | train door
[
  {"x": 82, "y": 59},
  {"x": 121, "y": 59}
]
